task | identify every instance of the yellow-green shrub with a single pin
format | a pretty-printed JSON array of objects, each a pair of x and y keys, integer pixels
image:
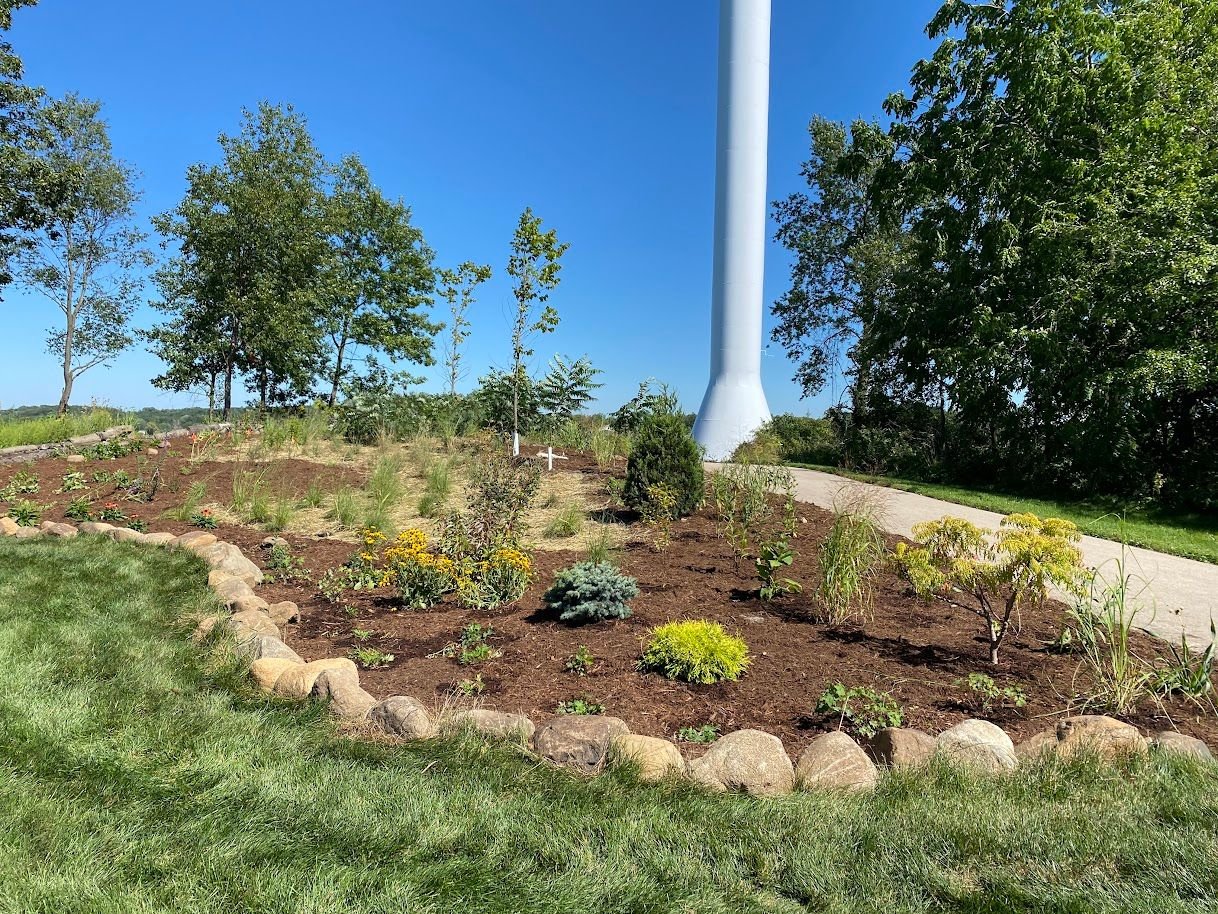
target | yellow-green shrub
[{"x": 695, "y": 651}]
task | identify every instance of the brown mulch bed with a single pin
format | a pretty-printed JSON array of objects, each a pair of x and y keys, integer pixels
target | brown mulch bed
[{"x": 915, "y": 650}]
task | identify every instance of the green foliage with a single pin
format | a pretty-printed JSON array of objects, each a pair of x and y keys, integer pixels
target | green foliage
[
  {"x": 591, "y": 592},
  {"x": 21, "y": 483},
  {"x": 501, "y": 491},
  {"x": 849, "y": 557},
  {"x": 470, "y": 687},
  {"x": 707, "y": 733},
  {"x": 992, "y": 573},
  {"x": 581, "y": 662},
  {"x": 17, "y": 429},
  {"x": 773, "y": 556},
  {"x": 79, "y": 509},
  {"x": 345, "y": 508},
  {"x": 741, "y": 494},
  {"x": 644, "y": 406},
  {"x": 565, "y": 390},
  {"x": 472, "y": 646},
  {"x": 582, "y": 705},
  {"x": 371, "y": 658},
  {"x": 602, "y": 548},
  {"x": 862, "y": 709},
  {"x": 73, "y": 482},
  {"x": 665, "y": 454},
  {"x": 457, "y": 287},
  {"x": 1189, "y": 673},
  {"x": 657, "y": 513},
  {"x": 990, "y": 695},
  {"x": 567, "y": 523},
  {"x": 695, "y": 651},
  {"x": 25, "y": 513}
]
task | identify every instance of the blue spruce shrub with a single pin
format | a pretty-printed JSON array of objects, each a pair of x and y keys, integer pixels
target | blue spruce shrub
[{"x": 591, "y": 592}]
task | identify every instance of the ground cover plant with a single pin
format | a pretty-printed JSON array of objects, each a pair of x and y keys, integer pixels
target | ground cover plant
[{"x": 143, "y": 758}]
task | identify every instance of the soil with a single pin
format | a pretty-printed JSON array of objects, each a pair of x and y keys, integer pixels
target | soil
[{"x": 917, "y": 651}]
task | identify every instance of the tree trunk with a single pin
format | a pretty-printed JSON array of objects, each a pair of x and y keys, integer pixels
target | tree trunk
[
  {"x": 66, "y": 395},
  {"x": 338, "y": 372},
  {"x": 228, "y": 391},
  {"x": 69, "y": 336}
]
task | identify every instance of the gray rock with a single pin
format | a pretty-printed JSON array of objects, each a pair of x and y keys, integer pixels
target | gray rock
[
  {"x": 980, "y": 744},
  {"x": 900, "y": 747},
  {"x": 1170, "y": 741},
  {"x": 284, "y": 612},
  {"x": 579, "y": 741},
  {"x": 835, "y": 760},
  {"x": 747, "y": 760},
  {"x": 403, "y": 717},
  {"x": 342, "y": 689},
  {"x": 494, "y": 724}
]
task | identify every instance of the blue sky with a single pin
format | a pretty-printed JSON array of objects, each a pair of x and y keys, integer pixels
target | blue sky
[{"x": 599, "y": 115}]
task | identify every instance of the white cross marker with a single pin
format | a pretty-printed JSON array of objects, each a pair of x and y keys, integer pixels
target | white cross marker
[{"x": 550, "y": 456}]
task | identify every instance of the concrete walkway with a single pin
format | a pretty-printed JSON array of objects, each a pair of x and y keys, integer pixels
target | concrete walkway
[{"x": 1178, "y": 596}]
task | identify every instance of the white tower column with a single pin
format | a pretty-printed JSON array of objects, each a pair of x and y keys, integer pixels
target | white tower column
[{"x": 734, "y": 406}]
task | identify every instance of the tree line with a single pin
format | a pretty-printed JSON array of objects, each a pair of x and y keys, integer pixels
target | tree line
[
  {"x": 279, "y": 266},
  {"x": 1018, "y": 275}
]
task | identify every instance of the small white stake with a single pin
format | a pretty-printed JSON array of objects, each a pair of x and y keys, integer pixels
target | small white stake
[{"x": 550, "y": 456}]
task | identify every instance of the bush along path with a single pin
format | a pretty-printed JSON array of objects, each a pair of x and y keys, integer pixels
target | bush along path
[
  {"x": 1176, "y": 596},
  {"x": 745, "y": 760},
  {"x": 139, "y": 774}
]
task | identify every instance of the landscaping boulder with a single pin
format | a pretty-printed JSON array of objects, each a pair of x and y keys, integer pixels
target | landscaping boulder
[
  {"x": 8, "y": 526},
  {"x": 835, "y": 760},
  {"x": 203, "y": 629},
  {"x": 579, "y": 741},
  {"x": 284, "y": 612},
  {"x": 266, "y": 671},
  {"x": 1036, "y": 745},
  {"x": 272, "y": 541},
  {"x": 1104, "y": 736},
  {"x": 158, "y": 539},
  {"x": 747, "y": 760},
  {"x": 229, "y": 589},
  {"x": 51, "y": 528},
  {"x": 231, "y": 560},
  {"x": 75, "y": 458},
  {"x": 495, "y": 724},
  {"x": 125, "y": 535},
  {"x": 1179, "y": 744},
  {"x": 900, "y": 747},
  {"x": 27, "y": 533},
  {"x": 654, "y": 758},
  {"x": 261, "y": 646},
  {"x": 980, "y": 744},
  {"x": 247, "y": 601},
  {"x": 342, "y": 689},
  {"x": 95, "y": 528},
  {"x": 403, "y": 717},
  {"x": 252, "y": 622},
  {"x": 298, "y": 682},
  {"x": 195, "y": 540}
]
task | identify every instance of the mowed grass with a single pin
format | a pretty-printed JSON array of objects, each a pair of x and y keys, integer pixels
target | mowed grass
[
  {"x": 136, "y": 777},
  {"x": 47, "y": 429},
  {"x": 1186, "y": 533}
]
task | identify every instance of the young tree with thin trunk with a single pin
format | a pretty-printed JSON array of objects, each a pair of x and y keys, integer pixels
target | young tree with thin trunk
[
  {"x": 378, "y": 276},
  {"x": 457, "y": 287},
  {"x": 88, "y": 257},
  {"x": 534, "y": 268}
]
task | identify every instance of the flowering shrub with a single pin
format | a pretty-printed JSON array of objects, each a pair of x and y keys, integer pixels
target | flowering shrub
[
  {"x": 502, "y": 578},
  {"x": 111, "y": 513},
  {"x": 421, "y": 577},
  {"x": 203, "y": 518}
]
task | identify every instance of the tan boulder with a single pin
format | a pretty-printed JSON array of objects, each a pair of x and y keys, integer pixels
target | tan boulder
[
  {"x": 980, "y": 744},
  {"x": 125, "y": 535},
  {"x": 403, "y": 717},
  {"x": 1104, "y": 736},
  {"x": 341, "y": 688},
  {"x": 835, "y": 760},
  {"x": 579, "y": 741},
  {"x": 747, "y": 760},
  {"x": 252, "y": 622},
  {"x": 655, "y": 759},
  {"x": 900, "y": 747},
  {"x": 267, "y": 670},
  {"x": 8, "y": 526},
  {"x": 259, "y": 646},
  {"x": 95, "y": 528},
  {"x": 195, "y": 540},
  {"x": 494, "y": 724},
  {"x": 75, "y": 458},
  {"x": 159, "y": 539},
  {"x": 284, "y": 612},
  {"x": 1175, "y": 743},
  {"x": 250, "y": 601},
  {"x": 298, "y": 682},
  {"x": 27, "y": 533},
  {"x": 229, "y": 589},
  {"x": 64, "y": 531},
  {"x": 204, "y": 629},
  {"x": 1036, "y": 745}
]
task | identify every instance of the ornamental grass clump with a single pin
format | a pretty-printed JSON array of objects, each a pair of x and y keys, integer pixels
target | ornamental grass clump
[
  {"x": 591, "y": 592},
  {"x": 695, "y": 651},
  {"x": 993, "y": 574}
]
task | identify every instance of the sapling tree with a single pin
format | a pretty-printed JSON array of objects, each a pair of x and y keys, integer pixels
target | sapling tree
[
  {"x": 534, "y": 267},
  {"x": 88, "y": 256},
  {"x": 457, "y": 287},
  {"x": 993, "y": 574}
]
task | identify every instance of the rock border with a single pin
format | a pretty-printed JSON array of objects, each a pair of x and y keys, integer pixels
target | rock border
[
  {"x": 750, "y": 761},
  {"x": 23, "y": 453}
]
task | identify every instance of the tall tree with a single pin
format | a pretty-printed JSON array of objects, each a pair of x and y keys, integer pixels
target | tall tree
[
  {"x": 534, "y": 267},
  {"x": 88, "y": 257},
  {"x": 457, "y": 287},
  {"x": 245, "y": 287},
  {"x": 20, "y": 172},
  {"x": 378, "y": 277}
]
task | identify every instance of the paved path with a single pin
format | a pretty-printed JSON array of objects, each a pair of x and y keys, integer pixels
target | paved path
[{"x": 1178, "y": 595}]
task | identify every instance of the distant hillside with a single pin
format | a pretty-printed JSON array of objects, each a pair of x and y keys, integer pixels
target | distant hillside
[{"x": 149, "y": 418}]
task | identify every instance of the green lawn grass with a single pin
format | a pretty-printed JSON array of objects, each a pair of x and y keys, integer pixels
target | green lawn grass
[
  {"x": 1190, "y": 534},
  {"x": 137, "y": 777},
  {"x": 46, "y": 429}
]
